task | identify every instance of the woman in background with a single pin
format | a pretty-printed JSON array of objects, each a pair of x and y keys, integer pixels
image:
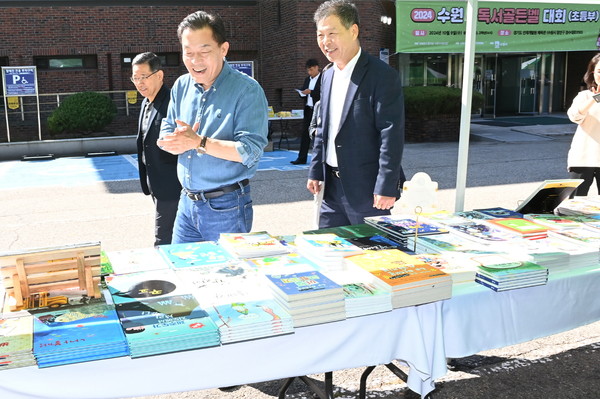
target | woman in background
[{"x": 584, "y": 155}]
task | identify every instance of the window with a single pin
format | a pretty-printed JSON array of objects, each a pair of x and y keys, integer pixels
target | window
[
  {"x": 67, "y": 62},
  {"x": 167, "y": 59}
]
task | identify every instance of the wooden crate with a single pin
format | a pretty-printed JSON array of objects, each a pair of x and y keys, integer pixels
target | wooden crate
[{"x": 50, "y": 269}]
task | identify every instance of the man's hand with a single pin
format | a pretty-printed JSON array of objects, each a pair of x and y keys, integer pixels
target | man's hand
[
  {"x": 382, "y": 202},
  {"x": 314, "y": 186},
  {"x": 183, "y": 138}
]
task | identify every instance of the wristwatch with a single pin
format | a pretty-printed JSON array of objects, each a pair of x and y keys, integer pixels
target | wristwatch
[
  {"x": 596, "y": 97},
  {"x": 201, "y": 149}
]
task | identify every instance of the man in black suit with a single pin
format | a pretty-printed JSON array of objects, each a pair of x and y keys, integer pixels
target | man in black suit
[
  {"x": 158, "y": 169},
  {"x": 311, "y": 91},
  {"x": 360, "y": 136}
]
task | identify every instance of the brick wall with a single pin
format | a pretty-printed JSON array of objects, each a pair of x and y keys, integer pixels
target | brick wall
[{"x": 278, "y": 35}]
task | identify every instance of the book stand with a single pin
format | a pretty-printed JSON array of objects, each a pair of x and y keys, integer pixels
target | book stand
[
  {"x": 322, "y": 394},
  {"x": 41, "y": 271}
]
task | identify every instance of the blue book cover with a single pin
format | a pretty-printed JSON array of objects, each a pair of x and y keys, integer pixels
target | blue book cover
[
  {"x": 297, "y": 286},
  {"x": 86, "y": 328},
  {"x": 196, "y": 254},
  {"x": 499, "y": 212},
  {"x": 404, "y": 226}
]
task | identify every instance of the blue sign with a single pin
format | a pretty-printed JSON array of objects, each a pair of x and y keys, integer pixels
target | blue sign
[
  {"x": 19, "y": 81},
  {"x": 246, "y": 67}
]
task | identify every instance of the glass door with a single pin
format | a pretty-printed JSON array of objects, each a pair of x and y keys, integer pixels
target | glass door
[
  {"x": 528, "y": 89},
  {"x": 490, "y": 63}
]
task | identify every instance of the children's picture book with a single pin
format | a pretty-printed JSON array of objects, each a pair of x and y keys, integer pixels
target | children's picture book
[
  {"x": 303, "y": 285},
  {"x": 196, "y": 254},
  {"x": 404, "y": 226},
  {"x": 151, "y": 284},
  {"x": 556, "y": 222},
  {"x": 63, "y": 336},
  {"x": 524, "y": 227},
  {"x": 482, "y": 231},
  {"x": 326, "y": 245},
  {"x": 548, "y": 195},
  {"x": 499, "y": 212},
  {"x": 374, "y": 242},
  {"x": 136, "y": 260},
  {"x": 16, "y": 340},
  {"x": 252, "y": 245},
  {"x": 283, "y": 264}
]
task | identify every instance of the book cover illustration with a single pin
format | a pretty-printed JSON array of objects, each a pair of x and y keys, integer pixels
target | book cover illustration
[
  {"x": 499, "y": 212},
  {"x": 327, "y": 244},
  {"x": 196, "y": 254},
  {"x": 150, "y": 284},
  {"x": 383, "y": 259},
  {"x": 583, "y": 236},
  {"x": 404, "y": 226},
  {"x": 458, "y": 265},
  {"x": 375, "y": 242},
  {"x": 452, "y": 243},
  {"x": 16, "y": 341},
  {"x": 483, "y": 232},
  {"x": 135, "y": 260},
  {"x": 556, "y": 222},
  {"x": 283, "y": 264},
  {"x": 254, "y": 244},
  {"x": 296, "y": 286},
  {"x": 473, "y": 215},
  {"x": 63, "y": 336},
  {"x": 154, "y": 310}
]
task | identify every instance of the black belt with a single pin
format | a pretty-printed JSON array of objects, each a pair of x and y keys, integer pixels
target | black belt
[
  {"x": 334, "y": 171},
  {"x": 216, "y": 193}
]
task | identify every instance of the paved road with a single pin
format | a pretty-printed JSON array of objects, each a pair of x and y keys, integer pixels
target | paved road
[{"x": 505, "y": 166}]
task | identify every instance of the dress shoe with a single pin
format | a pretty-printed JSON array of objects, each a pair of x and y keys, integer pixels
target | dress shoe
[{"x": 298, "y": 162}]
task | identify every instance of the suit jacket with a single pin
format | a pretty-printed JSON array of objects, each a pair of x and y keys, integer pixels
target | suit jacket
[
  {"x": 316, "y": 92},
  {"x": 158, "y": 174},
  {"x": 370, "y": 140}
]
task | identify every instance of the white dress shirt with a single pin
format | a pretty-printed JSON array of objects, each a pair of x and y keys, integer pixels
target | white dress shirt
[{"x": 337, "y": 97}]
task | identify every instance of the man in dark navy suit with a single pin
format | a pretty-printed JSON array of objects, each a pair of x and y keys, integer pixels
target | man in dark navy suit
[
  {"x": 360, "y": 136},
  {"x": 158, "y": 169}
]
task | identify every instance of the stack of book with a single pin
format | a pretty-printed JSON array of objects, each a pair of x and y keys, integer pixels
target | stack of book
[
  {"x": 556, "y": 222},
  {"x": 16, "y": 340},
  {"x": 282, "y": 264},
  {"x": 483, "y": 232},
  {"x": 543, "y": 252},
  {"x": 252, "y": 245},
  {"x": 528, "y": 274},
  {"x": 77, "y": 334},
  {"x": 326, "y": 250},
  {"x": 252, "y": 319},
  {"x": 361, "y": 296},
  {"x": 163, "y": 324},
  {"x": 525, "y": 228},
  {"x": 584, "y": 236},
  {"x": 135, "y": 260},
  {"x": 401, "y": 227},
  {"x": 580, "y": 206},
  {"x": 449, "y": 243},
  {"x": 410, "y": 280},
  {"x": 159, "y": 313},
  {"x": 310, "y": 297},
  {"x": 459, "y": 266},
  {"x": 196, "y": 255}
]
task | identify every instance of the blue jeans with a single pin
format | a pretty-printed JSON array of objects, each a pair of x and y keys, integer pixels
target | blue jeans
[{"x": 205, "y": 220}]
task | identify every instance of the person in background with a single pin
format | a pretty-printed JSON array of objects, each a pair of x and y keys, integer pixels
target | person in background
[
  {"x": 360, "y": 138},
  {"x": 583, "y": 160},
  {"x": 157, "y": 169},
  {"x": 311, "y": 91},
  {"x": 217, "y": 124}
]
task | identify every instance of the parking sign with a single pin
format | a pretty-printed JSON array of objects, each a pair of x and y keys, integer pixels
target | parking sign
[{"x": 19, "y": 81}]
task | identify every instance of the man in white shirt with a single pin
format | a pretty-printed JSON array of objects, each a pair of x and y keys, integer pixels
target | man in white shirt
[
  {"x": 360, "y": 135},
  {"x": 311, "y": 91}
]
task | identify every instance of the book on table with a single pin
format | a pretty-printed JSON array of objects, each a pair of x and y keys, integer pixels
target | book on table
[
  {"x": 579, "y": 206},
  {"x": 524, "y": 227},
  {"x": 196, "y": 254},
  {"x": 16, "y": 340},
  {"x": 73, "y": 335},
  {"x": 584, "y": 236},
  {"x": 135, "y": 260},
  {"x": 500, "y": 212},
  {"x": 149, "y": 284},
  {"x": 505, "y": 278},
  {"x": 459, "y": 266},
  {"x": 326, "y": 250},
  {"x": 402, "y": 226},
  {"x": 557, "y": 222},
  {"x": 282, "y": 264},
  {"x": 361, "y": 295},
  {"x": 251, "y": 245}
]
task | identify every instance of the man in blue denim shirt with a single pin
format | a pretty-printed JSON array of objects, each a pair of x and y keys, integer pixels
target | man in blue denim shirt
[{"x": 217, "y": 124}]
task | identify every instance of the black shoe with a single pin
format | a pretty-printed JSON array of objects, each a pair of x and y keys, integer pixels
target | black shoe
[{"x": 298, "y": 162}]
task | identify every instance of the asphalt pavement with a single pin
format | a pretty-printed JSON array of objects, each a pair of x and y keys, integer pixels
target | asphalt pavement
[{"x": 505, "y": 165}]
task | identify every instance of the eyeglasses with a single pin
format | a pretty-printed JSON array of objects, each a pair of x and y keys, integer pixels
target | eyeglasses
[{"x": 141, "y": 78}]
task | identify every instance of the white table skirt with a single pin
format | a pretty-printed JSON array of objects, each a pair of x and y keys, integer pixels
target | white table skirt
[
  {"x": 412, "y": 335},
  {"x": 476, "y": 318}
]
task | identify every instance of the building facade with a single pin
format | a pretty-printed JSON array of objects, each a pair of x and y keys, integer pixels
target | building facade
[{"x": 84, "y": 45}]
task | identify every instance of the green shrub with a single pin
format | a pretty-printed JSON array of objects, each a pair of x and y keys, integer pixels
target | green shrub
[
  {"x": 82, "y": 113},
  {"x": 436, "y": 100}
]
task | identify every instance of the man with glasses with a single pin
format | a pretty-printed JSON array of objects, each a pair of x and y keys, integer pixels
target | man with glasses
[
  {"x": 158, "y": 169},
  {"x": 217, "y": 123}
]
